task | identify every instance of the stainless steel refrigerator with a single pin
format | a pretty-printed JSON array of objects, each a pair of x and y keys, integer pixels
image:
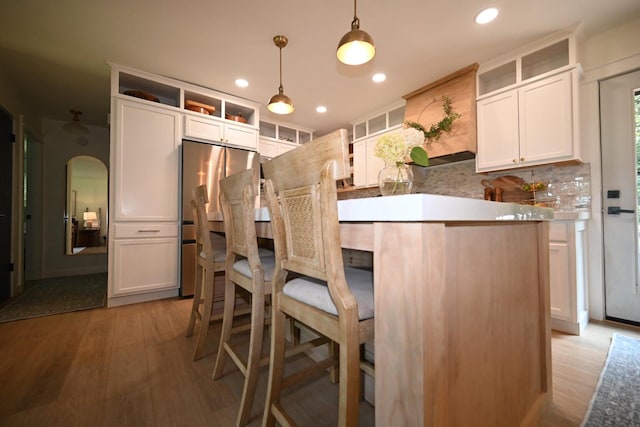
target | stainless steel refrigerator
[{"x": 204, "y": 164}]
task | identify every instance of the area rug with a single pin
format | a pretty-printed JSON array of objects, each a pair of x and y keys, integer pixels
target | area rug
[
  {"x": 616, "y": 400},
  {"x": 58, "y": 295}
]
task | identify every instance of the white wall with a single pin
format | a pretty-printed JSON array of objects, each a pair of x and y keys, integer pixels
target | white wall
[
  {"x": 59, "y": 147},
  {"x": 606, "y": 54}
]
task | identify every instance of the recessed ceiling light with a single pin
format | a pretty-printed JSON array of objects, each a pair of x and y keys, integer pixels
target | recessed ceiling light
[
  {"x": 242, "y": 83},
  {"x": 379, "y": 77},
  {"x": 487, "y": 15},
  {"x": 321, "y": 109}
]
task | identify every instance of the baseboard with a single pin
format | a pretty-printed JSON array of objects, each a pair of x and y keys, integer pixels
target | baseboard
[
  {"x": 573, "y": 328},
  {"x": 137, "y": 298}
]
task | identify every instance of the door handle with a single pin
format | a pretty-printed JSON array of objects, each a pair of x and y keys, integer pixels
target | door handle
[{"x": 615, "y": 210}]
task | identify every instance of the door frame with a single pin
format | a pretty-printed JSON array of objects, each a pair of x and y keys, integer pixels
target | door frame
[
  {"x": 618, "y": 132},
  {"x": 590, "y": 150},
  {"x": 16, "y": 277},
  {"x": 6, "y": 210}
]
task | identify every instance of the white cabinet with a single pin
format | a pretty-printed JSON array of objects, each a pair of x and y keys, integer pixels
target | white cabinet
[
  {"x": 546, "y": 120},
  {"x": 527, "y": 107},
  {"x": 144, "y": 162},
  {"x": 365, "y": 133},
  {"x": 498, "y": 131},
  {"x": 366, "y": 165},
  {"x": 143, "y": 242},
  {"x": 209, "y": 116},
  {"x": 208, "y": 129},
  {"x": 277, "y": 138},
  {"x": 568, "y": 275},
  {"x": 528, "y": 126},
  {"x": 269, "y": 148},
  {"x": 144, "y": 265}
]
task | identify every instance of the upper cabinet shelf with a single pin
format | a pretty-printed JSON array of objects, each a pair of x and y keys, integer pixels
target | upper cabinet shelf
[
  {"x": 150, "y": 90},
  {"x": 385, "y": 119},
  {"x": 285, "y": 132},
  {"x": 549, "y": 56},
  {"x": 190, "y": 98}
]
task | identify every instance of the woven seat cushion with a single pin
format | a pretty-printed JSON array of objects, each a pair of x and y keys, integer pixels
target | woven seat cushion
[
  {"x": 316, "y": 292},
  {"x": 267, "y": 259}
]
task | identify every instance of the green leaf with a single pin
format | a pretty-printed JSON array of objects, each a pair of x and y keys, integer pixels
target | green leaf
[{"x": 419, "y": 156}]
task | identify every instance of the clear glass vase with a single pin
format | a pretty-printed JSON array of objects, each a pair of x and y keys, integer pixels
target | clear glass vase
[{"x": 395, "y": 178}]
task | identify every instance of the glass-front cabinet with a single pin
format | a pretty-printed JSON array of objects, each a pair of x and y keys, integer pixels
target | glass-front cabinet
[
  {"x": 208, "y": 115},
  {"x": 527, "y": 106},
  {"x": 366, "y": 131},
  {"x": 278, "y": 137}
]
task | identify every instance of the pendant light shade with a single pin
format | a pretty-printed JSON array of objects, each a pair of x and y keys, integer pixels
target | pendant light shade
[
  {"x": 280, "y": 103},
  {"x": 74, "y": 126},
  {"x": 356, "y": 47}
]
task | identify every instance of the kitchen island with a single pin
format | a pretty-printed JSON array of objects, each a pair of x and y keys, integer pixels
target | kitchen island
[{"x": 462, "y": 325}]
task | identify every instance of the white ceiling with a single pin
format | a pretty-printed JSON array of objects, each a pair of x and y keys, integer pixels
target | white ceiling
[{"x": 55, "y": 52}]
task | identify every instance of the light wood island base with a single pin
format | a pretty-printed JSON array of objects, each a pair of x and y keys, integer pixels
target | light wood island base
[
  {"x": 461, "y": 293},
  {"x": 462, "y": 324}
]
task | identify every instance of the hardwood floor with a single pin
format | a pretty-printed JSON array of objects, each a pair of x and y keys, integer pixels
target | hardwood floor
[{"x": 132, "y": 365}]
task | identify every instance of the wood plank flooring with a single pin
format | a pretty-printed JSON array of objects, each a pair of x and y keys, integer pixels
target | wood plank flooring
[{"x": 131, "y": 366}]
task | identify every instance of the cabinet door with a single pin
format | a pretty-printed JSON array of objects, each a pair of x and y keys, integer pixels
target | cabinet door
[
  {"x": 203, "y": 128},
  {"x": 561, "y": 280},
  {"x": 498, "y": 132},
  {"x": 283, "y": 147},
  {"x": 546, "y": 120},
  {"x": 241, "y": 136},
  {"x": 360, "y": 163},
  {"x": 374, "y": 164},
  {"x": 145, "y": 163},
  {"x": 268, "y": 148},
  {"x": 143, "y": 265}
]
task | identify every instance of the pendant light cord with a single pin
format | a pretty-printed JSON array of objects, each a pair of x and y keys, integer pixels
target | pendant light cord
[
  {"x": 355, "y": 24},
  {"x": 281, "y": 89}
]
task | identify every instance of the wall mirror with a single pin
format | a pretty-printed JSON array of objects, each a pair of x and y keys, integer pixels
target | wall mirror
[{"x": 86, "y": 207}]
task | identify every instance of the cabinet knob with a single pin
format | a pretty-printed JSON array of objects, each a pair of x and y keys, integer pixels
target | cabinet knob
[
  {"x": 522, "y": 159},
  {"x": 514, "y": 160}
]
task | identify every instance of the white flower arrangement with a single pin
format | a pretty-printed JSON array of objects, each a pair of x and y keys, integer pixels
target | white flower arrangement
[{"x": 395, "y": 147}]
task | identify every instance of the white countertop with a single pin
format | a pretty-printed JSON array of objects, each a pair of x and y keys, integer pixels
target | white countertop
[
  {"x": 426, "y": 207},
  {"x": 431, "y": 207}
]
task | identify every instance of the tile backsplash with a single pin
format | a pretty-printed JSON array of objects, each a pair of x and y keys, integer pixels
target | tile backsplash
[{"x": 460, "y": 179}]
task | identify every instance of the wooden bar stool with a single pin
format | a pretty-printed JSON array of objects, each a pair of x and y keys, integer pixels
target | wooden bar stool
[
  {"x": 333, "y": 300},
  {"x": 209, "y": 262},
  {"x": 249, "y": 268}
]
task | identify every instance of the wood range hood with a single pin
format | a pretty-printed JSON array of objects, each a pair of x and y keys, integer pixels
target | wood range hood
[{"x": 424, "y": 106}]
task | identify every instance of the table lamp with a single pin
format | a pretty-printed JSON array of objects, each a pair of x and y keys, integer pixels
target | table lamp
[{"x": 89, "y": 219}]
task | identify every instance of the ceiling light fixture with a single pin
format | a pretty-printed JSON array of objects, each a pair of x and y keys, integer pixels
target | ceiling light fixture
[
  {"x": 487, "y": 15},
  {"x": 356, "y": 47},
  {"x": 74, "y": 126},
  {"x": 280, "y": 103},
  {"x": 321, "y": 109},
  {"x": 242, "y": 83},
  {"x": 379, "y": 77}
]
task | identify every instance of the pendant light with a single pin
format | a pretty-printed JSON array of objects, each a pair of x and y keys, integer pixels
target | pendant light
[
  {"x": 356, "y": 47},
  {"x": 280, "y": 103},
  {"x": 74, "y": 126}
]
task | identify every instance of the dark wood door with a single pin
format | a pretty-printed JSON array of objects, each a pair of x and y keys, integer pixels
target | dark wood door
[{"x": 6, "y": 163}]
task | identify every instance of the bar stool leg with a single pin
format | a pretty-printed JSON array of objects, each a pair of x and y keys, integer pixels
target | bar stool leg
[
  {"x": 197, "y": 300},
  {"x": 253, "y": 360},
  {"x": 276, "y": 365},
  {"x": 227, "y": 325},
  {"x": 209, "y": 277}
]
